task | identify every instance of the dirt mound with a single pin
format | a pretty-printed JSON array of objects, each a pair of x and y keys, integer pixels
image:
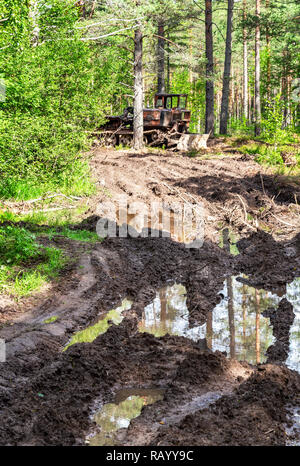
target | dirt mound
[
  {"x": 281, "y": 321},
  {"x": 253, "y": 415}
]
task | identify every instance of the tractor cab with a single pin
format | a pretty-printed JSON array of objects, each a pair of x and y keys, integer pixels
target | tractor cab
[{"x": 170, "y": 101}]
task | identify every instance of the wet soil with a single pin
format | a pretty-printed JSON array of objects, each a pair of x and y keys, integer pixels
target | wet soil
[{"x": 50, "y": 397}]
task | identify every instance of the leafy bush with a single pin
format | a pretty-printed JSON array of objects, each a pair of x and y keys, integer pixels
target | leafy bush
[
  {"x": 56, "y": 94},
  {"x": 40, "y": 153}
]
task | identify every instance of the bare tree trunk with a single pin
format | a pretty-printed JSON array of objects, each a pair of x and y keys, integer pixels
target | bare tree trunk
[
  {"x": 268, "y": 40},
  {"x": 209, "y": 109},
  {"x": 161, "y": 57},
  {"x": 257, "y": 73},
  {"x": 245, "y": 64},
  {"x": 227, "y": 67},
  {"x": 138, "y": 120},
  {"x": 168, "y": 72},
  {"x": 191, "y": 74},
  {"x": 34, "y": 15},
  {"x": 93, "y": 9}
]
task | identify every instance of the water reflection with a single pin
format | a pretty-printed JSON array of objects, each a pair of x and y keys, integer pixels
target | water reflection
[
  {"x": 115, "y": 416},
  {"x": 293, "y": 296},
  {"x": 236, "y": 325},
  {"x": 91, "y": 333},
  {"x": 168, "y": 314}
]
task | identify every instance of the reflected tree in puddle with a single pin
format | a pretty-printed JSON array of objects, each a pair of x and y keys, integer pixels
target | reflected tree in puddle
[
  {"x": 168, "y": 314},
  {"x": 236, "y": 325},
  {"x": 231, "y": 317},
  {"x": 293, "y": 296}
]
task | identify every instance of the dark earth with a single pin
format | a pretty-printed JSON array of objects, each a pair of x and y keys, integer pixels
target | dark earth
[{"x": 47, "y": 396}]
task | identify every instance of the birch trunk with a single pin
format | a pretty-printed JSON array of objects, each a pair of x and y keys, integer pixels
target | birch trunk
[
  {"x": 161, "y": 58},
  {"x": 245, "y": 64},
  {"x": 138, "y": 121},
  {"x": 257, "y": 73},
  {"x": 34, "y": 15},
  {"x": 209, "y": 109}
]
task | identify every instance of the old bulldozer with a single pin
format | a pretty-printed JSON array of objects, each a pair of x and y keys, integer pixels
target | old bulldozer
[{"x": 167, "y": 124}]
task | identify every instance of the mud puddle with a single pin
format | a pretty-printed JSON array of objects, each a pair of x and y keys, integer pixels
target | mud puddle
[
  {"x": 235, "y": 326},
  {"x": 197, "y": 403},
  {"x": 293, "y": 428},
  {"x": 114, "y": 418},
  {"x": 92, "y": 332},
  {"x": 293, "y": 296}
]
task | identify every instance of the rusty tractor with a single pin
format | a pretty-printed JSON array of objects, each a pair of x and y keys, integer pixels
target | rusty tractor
[{"x": 166, "y": 124}]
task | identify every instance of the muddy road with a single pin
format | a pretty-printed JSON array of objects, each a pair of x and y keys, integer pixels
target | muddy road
[{"x": 179, "y": 346}]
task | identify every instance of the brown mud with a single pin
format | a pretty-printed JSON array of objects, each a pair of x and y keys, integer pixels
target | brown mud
[{"x": 49, "y": 396}]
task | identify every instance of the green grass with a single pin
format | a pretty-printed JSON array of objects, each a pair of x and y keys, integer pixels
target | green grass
[
  {"x": 55, "y": 219},
  {"x": 25, "y": 265},
  {"x": 80, "y": 235},
  {"x": 78, "y": 184},
  {"x": 269, "y": 154}
]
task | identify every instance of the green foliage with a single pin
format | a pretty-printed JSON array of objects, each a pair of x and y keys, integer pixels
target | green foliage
[
  {"x": 272, "y": 123},
  {"x": 56, "y": 93},
  {"x": 25, "y": 265},
  {"x": 240, "y": 127},
  {"x": 269, "y": 155},
  {"x": 196, "y": 95}
]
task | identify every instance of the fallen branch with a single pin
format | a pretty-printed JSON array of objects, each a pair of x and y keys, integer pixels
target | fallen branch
[
  {"x": 71, "y": 198},
  {"x": 180, "y": 195},
  {"x": 52, "y": 209},
  {"x": 244, "y": 207},
  {"x": 282, "y": 221}
]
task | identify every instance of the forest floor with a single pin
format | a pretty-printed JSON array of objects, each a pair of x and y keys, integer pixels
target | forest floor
[{"x": 201, "y": 393}]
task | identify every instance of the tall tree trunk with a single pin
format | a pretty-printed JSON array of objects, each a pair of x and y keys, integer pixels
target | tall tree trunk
[
  {"x": 93, "y": 9},
  {"x": 168, "y": 73},
  {"x": 161, "y": 57},
  {"x": 227, "y": 67},
  {"x": 268, "y": 40},
  {"x": 138, "y": 120},
  {"x": 245, "y": 64},
  {"x": 209, "y": 109},
  {"x": 34, "y": 15},
  {"x": 257, "y": 73}
]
